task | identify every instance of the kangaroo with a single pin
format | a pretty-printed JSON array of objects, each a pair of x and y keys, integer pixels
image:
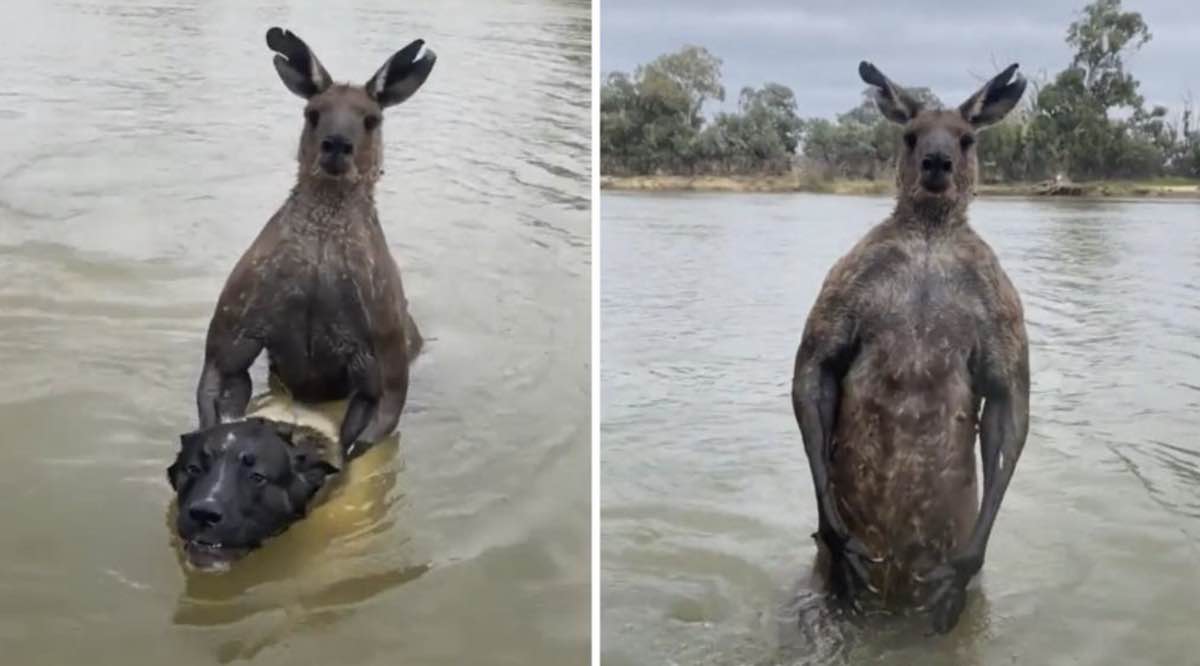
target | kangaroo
[
  {"x": 318, "y": 288},
  {"x": 912, "y": 331}
]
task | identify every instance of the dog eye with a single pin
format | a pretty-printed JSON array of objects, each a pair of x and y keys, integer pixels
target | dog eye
[
  {"x": 193, "y": 469},
  {"x": 910, "y": 140},
  {"x": 966, "y": 141},
  {"x": 258, "y": 479},
  {"x": 371, "y": 122},
  {"x": 312, "y": 116}
]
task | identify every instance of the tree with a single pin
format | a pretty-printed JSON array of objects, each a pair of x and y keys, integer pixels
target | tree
[
  {"x": 772, "y": 109},
  {"x": 653, "y": 121},
  {"x": 691, "y": 71},
  {"x": 1074, "y": 109},
  {"x": 619, "y": 120},
  {"x": 1099, "y": 37},
  {"x": 1088, "y": 120}
]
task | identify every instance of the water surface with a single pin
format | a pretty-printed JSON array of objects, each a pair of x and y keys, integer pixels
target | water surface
[
  {"x": 142, "y": 147},
  {"x": 707, "y": 503}
]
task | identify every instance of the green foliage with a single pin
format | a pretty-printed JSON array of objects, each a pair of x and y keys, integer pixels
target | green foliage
[
  {"x": 652, "y": 122},
  {"x": 1088, "y": 122},
  {"x": 692, "y": 72},
  {"x": 1099, "y": 38}
]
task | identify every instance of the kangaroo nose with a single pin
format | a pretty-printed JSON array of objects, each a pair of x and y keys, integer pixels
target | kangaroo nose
[
  {"x": 205, "y": 513},
  {"x": 335, "y": 144},
  {"x": 936, "y": 162}
]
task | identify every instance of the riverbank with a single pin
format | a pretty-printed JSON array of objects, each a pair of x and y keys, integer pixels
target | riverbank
[{"x": 795, "y": 182}]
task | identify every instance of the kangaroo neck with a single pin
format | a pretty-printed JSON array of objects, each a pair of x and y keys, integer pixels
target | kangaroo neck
[
  {"x": 323, "y": 204},
  {"x": 930, "y": 218}
]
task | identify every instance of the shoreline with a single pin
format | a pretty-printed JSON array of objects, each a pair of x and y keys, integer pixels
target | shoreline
[{"x": 796, "y": 182}]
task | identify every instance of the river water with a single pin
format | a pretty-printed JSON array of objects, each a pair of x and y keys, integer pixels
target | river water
[
  {"x": 707, "y": 503},
  {"x": 142, "y": 147}
]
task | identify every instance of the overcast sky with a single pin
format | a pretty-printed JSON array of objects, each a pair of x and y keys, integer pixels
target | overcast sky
[{"x": 814, "y": 47}]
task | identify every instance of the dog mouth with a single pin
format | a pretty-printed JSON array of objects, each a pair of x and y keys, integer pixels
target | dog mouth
[{"x": 212, "y": 556}]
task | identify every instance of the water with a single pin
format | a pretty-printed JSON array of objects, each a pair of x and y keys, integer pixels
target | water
[
  {"x": 142, "y": 147},
  {"x": 707, "y": 503}
]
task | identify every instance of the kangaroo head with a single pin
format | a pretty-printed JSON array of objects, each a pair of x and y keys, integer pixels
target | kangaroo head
[
  {"x": 342, "y": 122},
  {"x": 937, "y": 165}
]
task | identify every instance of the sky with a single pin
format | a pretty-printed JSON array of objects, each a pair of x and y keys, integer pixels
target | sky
[{"x": 814, "y": 47}]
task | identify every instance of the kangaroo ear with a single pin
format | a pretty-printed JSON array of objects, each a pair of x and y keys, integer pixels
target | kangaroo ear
[
  {"x": 297, "y": 65},
  {"x": 402, "y": 74},
  {"x": 995, "y": 99},
  {"x": 894, "y": 103}
]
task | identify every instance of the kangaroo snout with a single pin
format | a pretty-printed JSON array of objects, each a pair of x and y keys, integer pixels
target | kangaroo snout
[
  {"x": 336, "y": 144},
  {"x": 336, "y": 151},
  {"x": 936, "y": 170},
  {"x": 935, "y": 163}
]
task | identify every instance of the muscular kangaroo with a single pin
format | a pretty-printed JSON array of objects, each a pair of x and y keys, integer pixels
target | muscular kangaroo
[
  {"x": 913, "y": 332},
  {"x": 318, "y": 288}
]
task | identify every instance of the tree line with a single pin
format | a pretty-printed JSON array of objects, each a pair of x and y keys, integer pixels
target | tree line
[{"x": 1087, "y": 122}]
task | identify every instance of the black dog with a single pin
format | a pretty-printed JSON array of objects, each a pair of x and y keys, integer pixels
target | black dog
[{"x": 240, "y": 483}]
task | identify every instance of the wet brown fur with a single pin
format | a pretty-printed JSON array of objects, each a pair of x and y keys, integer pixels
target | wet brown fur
[
  {"x": 934, "y": 316},
  {"x": 920, "y": 325}
]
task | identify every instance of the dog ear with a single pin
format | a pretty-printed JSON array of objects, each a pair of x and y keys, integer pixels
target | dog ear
[
  {"x": 171, "y": 475},
  {"x": 310, "y": 472},
  {"x": 286, "y": 431},
  {"x": 187, "y": 441}
]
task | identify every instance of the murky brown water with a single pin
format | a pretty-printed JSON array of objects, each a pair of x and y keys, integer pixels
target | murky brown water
[
  {"x": 142, "y": 146},
  {"x": 707, "y": 504}
]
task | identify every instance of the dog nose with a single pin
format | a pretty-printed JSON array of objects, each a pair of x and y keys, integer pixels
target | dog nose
[
  {"x": 934, "y": 163},
  {"x": 336, "y": 144},
  {"x": 206, "y": 514}
]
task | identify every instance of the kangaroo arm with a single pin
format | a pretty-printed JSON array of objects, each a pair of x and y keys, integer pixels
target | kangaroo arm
[
  {"x": 815, "y": 394},
  {"x": 1002, "y": 432}
]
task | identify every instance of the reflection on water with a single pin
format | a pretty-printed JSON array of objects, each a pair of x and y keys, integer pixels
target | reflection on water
[
  {"x": 142, "y": 146},
  {"x": 707, "y": 505}
]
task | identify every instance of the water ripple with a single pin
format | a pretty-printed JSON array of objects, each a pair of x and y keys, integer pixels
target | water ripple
[{"x": 707, "y": 497}]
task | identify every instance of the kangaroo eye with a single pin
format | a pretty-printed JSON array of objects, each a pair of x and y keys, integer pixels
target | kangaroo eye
[
  {"x": 312, "y": 116},
  {"x": 258, "y": 479},
  {"x": 193, "y": 469},
  {"x": 910, "y": 140},
  {"x": 966, "y": 141},
  {"x": 371, "y": 122}
]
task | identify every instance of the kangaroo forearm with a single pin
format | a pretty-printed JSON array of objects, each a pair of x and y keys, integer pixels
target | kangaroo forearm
[
  {"x": 814, "y": 400},
  {"x": 1002, "y": 432},
  {"x": 208, "y": 391},
  {"x": 236, "y": 388},
  {"x": 359, "y": 414}
]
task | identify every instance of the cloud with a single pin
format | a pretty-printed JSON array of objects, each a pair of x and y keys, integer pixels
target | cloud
[{"x": 815, "y": 49}]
